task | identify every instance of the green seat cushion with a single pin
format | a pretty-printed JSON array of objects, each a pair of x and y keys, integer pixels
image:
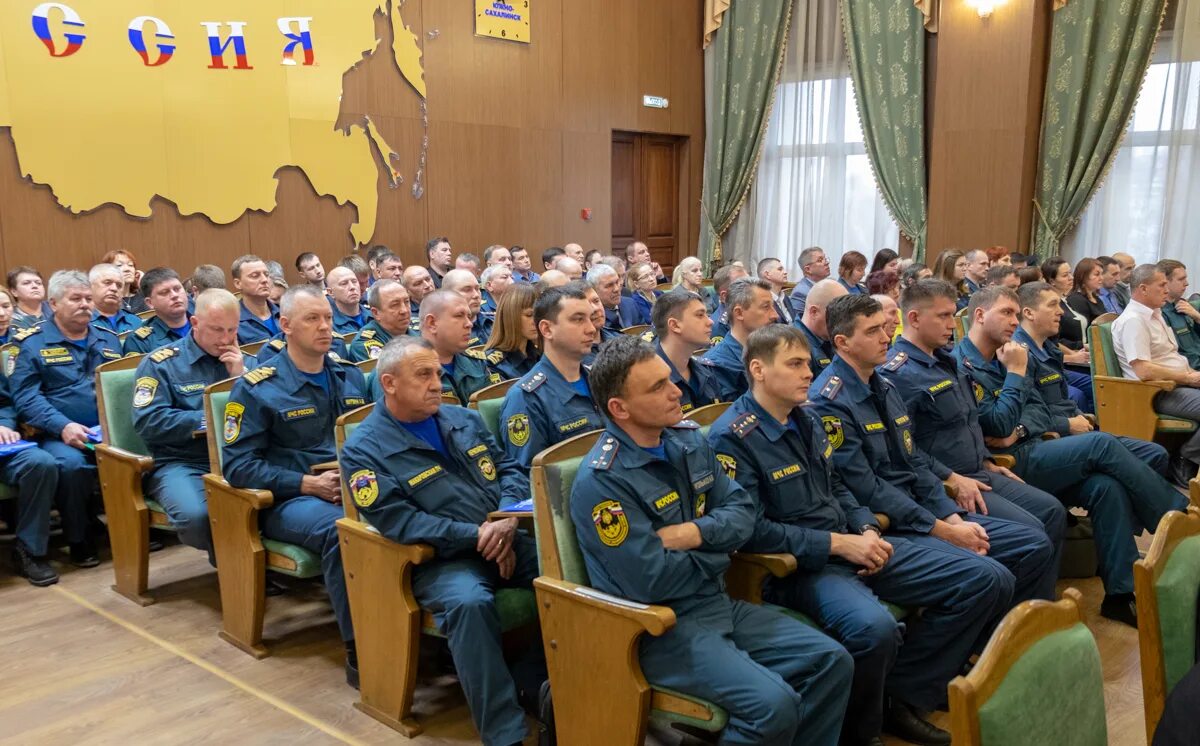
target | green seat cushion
[
  {"x": 517, "y": 607},
  {"x": 1177, "y": 589},
  {"x": 1109, "y": 353},
  {"x": 1167, "y": 424},
  {"x": 155, "y": 507},
  {"x": 489, "y": 410},
  {"x": 308, "y": 564},
  {"x": 117, "y": 388},
  {"x": 713, "y": 725},
  {"x": 217, "y": 415},
  {"x": 1055, "y": 690},
  {"x": 559, "y": 478}
]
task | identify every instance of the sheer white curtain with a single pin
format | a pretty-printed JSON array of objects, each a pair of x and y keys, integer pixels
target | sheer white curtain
[
  {"x": 1149, "y": 207},
  {"x": 814, "y": 185}
]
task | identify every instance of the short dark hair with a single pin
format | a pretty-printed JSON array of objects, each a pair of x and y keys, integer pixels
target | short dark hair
[
  {"x": 842, "y": 312},
  {"x": 741, "y": 292},
  {"x": 922, "y": 292},
  {"x": 468, "y": 257},
  {"x": 986, "y": 297},
  {"x": 851, "y": 261},
  {"x": 765, "y": 343},
  {"x": 432, "y": 243},
  {"x": 995, "y": 275},
  {"x": 723, "y": 277},
  {"x": 1029, "y": 274},
  {"x": 1142, "y": 274},
  {"x": 613, "y": 363},
  {"x": 385, "y": 256},
  {"x": 549, "y": 303},
  {"x": 155, "y": 276},
  {"x": 23, "y": 269},
  {"x": 550, "y": 254},
  {"x": 1107, "y": 261},
  {"x": 304, "y": 257},
  {"x": 236, "y": 268},
  {"x": 376, "y": 251},
  {"x": 355, "y": 264},
  {"x": 1168, "y": 266},
  {"x": 1028, "y": 294},
  {"x": 911, "y": 273},
  {"x": 1050, "y": 267},
  {"x": 763, "y": 264},
  {"x": 207, "y": 277},
  {"x": 882, "y": 281},
  {"x": 670, "y": 305},
  {"x": 883, "y": 257}
]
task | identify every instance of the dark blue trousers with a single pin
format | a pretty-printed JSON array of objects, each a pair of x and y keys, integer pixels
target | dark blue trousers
[
  {"x": 76, "y": 484},
  {"x": 179, "y": 488},
  {"x": 34, "y": 474}
]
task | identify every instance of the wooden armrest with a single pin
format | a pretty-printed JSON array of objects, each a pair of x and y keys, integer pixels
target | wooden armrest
[
  {"x": 653, "y": 619},
  {"x": 327, "y": 466},
  {"x": 779, "y": 565},
  {"x": 134, "y": 460},
  {"x": 257, "y": 499},
  {"x": 520, "y": 515},
  {"x": 1003, "y": 459},
  {"x": 415, "y": 554},
  {"x": 1136, "y": 384}
]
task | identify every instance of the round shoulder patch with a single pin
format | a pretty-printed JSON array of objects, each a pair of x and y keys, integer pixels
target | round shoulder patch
[
  {"x": 233, "y": 421},
  {"x": 143, "y": 391},
  {"x": 611, "y": 524},
  {"x": 364, "y": 488},
  {"x": 518, "y": 429},
  {"x": 833, "y": 430}
]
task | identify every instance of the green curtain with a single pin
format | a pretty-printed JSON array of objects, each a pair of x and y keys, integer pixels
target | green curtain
[
  {"x": 885, "y": 46},
  {"x": 744, "y": 61},
  {"x": 1099, "y": 53}
]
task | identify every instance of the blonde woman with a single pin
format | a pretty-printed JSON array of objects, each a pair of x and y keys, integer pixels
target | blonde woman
[
  {"x": 512, "y": 350},
  {"x": 642, "y": 285},
  {"x": 689, "y": 275}
]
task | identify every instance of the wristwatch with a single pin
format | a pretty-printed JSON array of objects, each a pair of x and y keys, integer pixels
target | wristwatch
[
  {"x": 1022, "y": 433},
  {"x": 863, "y": 529}
]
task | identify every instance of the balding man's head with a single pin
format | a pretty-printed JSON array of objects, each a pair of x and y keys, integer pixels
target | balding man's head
[
  {"x": 819, "y": 298},
  {"x": 446, "y": 322},
  {"x": 569, "y": 267},
  {"x": 1127, "y": 263},
  {"x": 552, "y": 278},
  {"x": 418, "y": 283},
  {"x": 464, "y": 283}
]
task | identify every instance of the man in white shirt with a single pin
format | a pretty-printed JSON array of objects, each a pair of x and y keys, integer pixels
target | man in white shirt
[{"x": 1148, "y": 351}]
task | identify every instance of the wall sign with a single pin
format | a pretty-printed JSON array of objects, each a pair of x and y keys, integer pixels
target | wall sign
[{"x": 503, "y": 19}]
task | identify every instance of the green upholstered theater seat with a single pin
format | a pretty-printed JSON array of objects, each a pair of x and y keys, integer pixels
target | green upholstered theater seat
[
  {"x": 1108, "y": 364},
  {"x": 1055, "y": 690},
  {"x": 284, "y": 558},
  {"x": 1178, "y": 587},
  {"x": 489, "y": 410}
]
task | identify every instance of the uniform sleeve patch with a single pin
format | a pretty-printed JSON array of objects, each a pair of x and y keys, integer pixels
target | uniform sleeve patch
[
  {"x": 611, "y": 524},
  {"x": 518, "y": 429},
  {"x": 144, "y": 390},
  {"x": 834, "y": 431},
  {"x": 10, "y": 364},
  {"x": 364, "y": 488},
  {"x": 728, "y": 465},
  {"x": 233, "y": 421}
]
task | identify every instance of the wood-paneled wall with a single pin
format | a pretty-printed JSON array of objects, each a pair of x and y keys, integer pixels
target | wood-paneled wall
[
  {"x": 519, "y": 141},
  {"x": 987, "y": 80}
]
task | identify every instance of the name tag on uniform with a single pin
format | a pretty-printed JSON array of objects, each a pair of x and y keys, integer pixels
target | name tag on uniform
[
  {"x": 110, "y": 354},
  {"x": 902, "y": 420},
  {"x": 666, "y": 500},
  {"x": 572, "y": 425},
  {"x": 874, "y": 427},
  {"x": 425, "y": 476},
  {"x": 786, "y": 472},
  {"x": 941, "y": 386},
  {"x": 189, "y": 388},
  {"x": 704, "y": 482},
  {"x": 1049, "y": 379},
  {"x": 56, "y": 356},
  {"x": 300, "y": 414},
  {"x": 354, "y": 401},
  {"x": 473, "y": 452}
]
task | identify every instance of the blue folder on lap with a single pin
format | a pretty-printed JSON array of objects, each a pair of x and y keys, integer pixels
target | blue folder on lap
[{"x": 8, "y": 449}]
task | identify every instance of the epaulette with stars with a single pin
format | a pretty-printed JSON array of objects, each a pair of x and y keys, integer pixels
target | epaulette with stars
[
  {"x": 744, "y": 425},
  {"x": 831, "y": 388},
  {"x": 277, "y": 344},
  {"x": 165, "y": 353},
  {"x": 495, "y": 357},
  {"x": 25, "y": 334},
  {"x": 258, "y": 375},
  {"x": 608, "y": 451},
  {"x": 143, "y": 332},
  {"x": 475, "y": 353},
  {"x": 367, "y": 334},
  {"x": 894, "y": 364},
  {"x": 537, "y": 380}
]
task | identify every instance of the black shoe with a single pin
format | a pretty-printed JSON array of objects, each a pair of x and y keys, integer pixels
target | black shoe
[
  {"x": 352, "y": 664},
  {"x": 545, "y": 716},
  {"x": 901, "y": 720},
  {"x": 1120, "y": 607},
  {"x": 84, "y": 554},
  {"x": 1180, "y": 472},
  {"x": 34, "y": 569},
  {"x": 273, "y": 587},
  {"x": 154, "y": 545}
]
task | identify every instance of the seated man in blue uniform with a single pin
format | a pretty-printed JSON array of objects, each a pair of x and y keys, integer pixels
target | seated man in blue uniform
[
  {"x": 619, "y": 311},
  {"x": 724, "y": 277},
  {"x": 1093, "y": 470},
  {"x": 53, "y": 385},
  {"x": 260, "y": 317},
  {"x": 34, "y": 474},
  {"x": 423, "y": 473},
  {"x": 683, "y": 328},
  {"x": 946, "y": 429},
  {"x": 656, "y": 518},
  {"x": 466, "y": 284},
  {"x": 279, "y": 424},
  {"x": 344, "y": 299},
  {"x": 749, "y": 306},
  {"x": 108, "y": 293},
  {"x": 166, "y": 296},
  {"x": 874, "y": 449},
  {"x": 446, "y": 324},
  {"x": 168, "y": 411},
  {"x": 552, "y": 402},
  {"x": 1039, "y": 319},
  {"x": 769, "y": 443},
  {"x": 812, "y": 322},
  {"x": 390, "y": 317}
]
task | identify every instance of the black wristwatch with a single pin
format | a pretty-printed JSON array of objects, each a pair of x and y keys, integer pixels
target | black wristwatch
[
  {"x": 863, "y": 529},
  {"x": 1022, "y": 433}
]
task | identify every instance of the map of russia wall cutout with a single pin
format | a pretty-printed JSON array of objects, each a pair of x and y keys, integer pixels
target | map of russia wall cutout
[{"x": 199, "y": 102}]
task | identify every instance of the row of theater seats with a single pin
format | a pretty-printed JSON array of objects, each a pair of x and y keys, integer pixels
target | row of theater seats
[{"x": 1039, "y": 674}]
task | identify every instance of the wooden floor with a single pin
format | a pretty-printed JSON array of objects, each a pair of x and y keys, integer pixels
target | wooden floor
[{"x": 83, "y": 665}]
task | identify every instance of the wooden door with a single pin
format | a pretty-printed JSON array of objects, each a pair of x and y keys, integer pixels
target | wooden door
[{"x": 645, "y": 194}]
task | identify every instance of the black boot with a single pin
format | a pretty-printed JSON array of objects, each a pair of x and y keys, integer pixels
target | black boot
[
  {"x": 34, "y": 569},
  {"x": 1120, "y": 607},
  {"x": 84, "y": 554},
  {"x": 900, "y": 719},
  {"x": 351, "y": 664}
]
